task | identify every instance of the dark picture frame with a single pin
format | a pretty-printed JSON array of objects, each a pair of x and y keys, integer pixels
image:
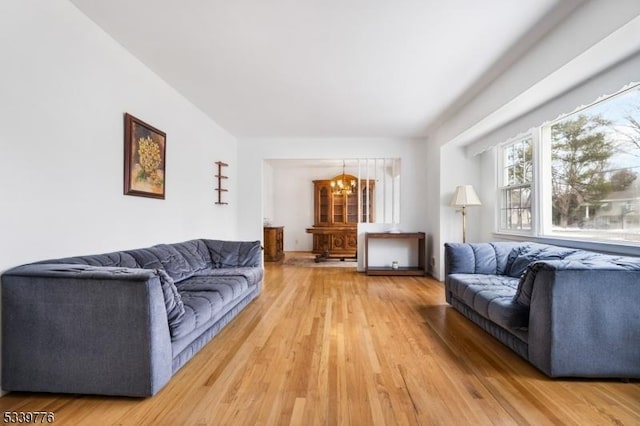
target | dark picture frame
[{"x": 144, "y": 159}]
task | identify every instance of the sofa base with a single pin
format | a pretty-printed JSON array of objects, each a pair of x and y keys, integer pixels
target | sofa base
[{"x": 516, "y": 343}]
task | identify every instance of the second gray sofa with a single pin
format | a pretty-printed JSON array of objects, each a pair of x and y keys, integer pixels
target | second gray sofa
[{"x": 570, "y": 312}]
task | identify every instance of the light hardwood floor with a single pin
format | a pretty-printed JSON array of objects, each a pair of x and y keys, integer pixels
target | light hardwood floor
[{"x": 331, "y": 346}]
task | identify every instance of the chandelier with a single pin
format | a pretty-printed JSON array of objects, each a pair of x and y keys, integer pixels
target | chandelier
[{"x": 340, "y": 186}]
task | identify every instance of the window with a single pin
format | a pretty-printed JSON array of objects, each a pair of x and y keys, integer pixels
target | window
[
  {"x": 515, "y": 185},
  {"x": 595, "y": 163},
  {"x": 587, "y": 183}
]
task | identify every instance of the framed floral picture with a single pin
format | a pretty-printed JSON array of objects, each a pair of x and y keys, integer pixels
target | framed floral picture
[{"x": 144, "y": 158}]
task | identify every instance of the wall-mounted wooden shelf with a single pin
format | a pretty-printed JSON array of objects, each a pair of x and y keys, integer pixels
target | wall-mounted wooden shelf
[{"x": 220, "y": 177}]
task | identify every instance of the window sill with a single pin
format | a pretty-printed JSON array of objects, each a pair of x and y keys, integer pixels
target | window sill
[
  {"x": 629, "y": 249},
  {"x": 514, "y": 235}
]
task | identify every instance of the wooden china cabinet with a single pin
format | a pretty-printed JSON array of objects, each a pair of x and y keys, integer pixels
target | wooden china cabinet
[{"x": 336, "y": 216}]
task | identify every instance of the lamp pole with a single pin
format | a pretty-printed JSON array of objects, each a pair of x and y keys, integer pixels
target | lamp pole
[{"x": 464, "y": 224}]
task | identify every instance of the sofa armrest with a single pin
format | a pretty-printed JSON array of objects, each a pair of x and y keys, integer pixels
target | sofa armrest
[
  {"x": 585, "y": 322},
  {"x": 84, "y": 329}
]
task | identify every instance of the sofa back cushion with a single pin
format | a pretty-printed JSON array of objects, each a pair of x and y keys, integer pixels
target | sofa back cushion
[
  {"x": 163, "y": 256},
  {"x": 196, "y": 254},
  {"x": 477, "y": 258},
  {"x": 116, "y": 259},
  {"x": 229, "y": 254},
  {"x": 520, "y": 257}
]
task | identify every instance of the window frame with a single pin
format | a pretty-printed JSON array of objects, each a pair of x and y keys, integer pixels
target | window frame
[
  {"x": 501, "y": 186},
  {"x": 541, "y": 222}
]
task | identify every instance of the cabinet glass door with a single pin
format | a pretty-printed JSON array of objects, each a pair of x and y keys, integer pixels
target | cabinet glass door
[
  {"x": 352, "y": 208},
  {"x": 338, "y": 209},
  {"x": 323, "y": 205}
]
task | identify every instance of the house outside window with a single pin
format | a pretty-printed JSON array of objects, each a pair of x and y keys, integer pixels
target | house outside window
[{"x": 516, "y": 178}]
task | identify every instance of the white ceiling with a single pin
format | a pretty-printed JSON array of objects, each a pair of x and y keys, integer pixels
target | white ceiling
[{"x": 333, "y": 68}]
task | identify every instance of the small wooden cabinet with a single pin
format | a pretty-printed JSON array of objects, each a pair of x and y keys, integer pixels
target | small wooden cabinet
[
  {"x": 336, "y": 217},
  {"x": 273, "y": 243}
]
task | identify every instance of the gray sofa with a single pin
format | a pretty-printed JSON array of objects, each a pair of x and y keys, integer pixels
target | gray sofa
[
  {"x": 569, "y": 312},
  {"x": 121, "y": 323}
]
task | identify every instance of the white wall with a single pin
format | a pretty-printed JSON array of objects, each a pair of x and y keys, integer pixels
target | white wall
[
  {"x": 488, "y": 193},
  {"x": 253, "y": 152},
  {"x": 268, "y": 194},
  {"x": 431, "y": 204},
  {"x": 293, "y": 203},
  {"x": 459, "y": 170},
  {"x": 64, "y": 87}
]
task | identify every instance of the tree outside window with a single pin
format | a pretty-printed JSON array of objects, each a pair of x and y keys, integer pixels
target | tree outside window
[{"x": 595, "y": 162}]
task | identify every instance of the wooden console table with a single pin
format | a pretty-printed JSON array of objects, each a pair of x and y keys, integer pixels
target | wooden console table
[{"x": 403, "y": 270}]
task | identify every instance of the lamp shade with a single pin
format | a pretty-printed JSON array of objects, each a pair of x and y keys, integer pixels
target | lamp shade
[{"x": 465, "y": 195}]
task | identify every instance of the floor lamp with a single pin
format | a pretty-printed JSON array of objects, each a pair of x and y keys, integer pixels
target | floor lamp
[{"x": 464, "y": 196}]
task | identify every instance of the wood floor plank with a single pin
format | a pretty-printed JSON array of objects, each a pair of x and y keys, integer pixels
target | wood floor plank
[{"x": 331, "y": 346}]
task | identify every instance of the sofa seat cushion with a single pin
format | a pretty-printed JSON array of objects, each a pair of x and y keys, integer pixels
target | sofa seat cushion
[
  {"x": 207, "y": 298},
  {"x": 253, "y": 275},
  {"x": 491, "y": 296}
]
